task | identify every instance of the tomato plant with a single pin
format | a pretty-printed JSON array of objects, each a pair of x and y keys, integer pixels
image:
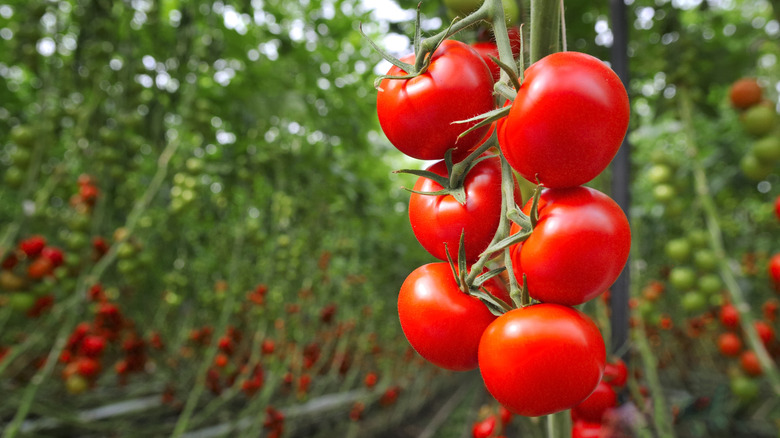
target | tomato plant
[
  {"x": 439, "y": 220},
  {"x": 541, "y": 359},
  {"x": 417, "y": 115},
  {"x": 567, "y": 121},
  {"x": 442, "y": 323},
  {"x": 577, "y": 248}
]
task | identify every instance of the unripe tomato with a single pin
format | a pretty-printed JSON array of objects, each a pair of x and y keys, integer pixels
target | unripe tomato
[
  {"x": 767, "y": 148},
  {"x": 745, "y": 388},
  {"x": 678, "y": 249},
  {"x": 541, "y": 359},
  {"x": 759, "y": 120}
]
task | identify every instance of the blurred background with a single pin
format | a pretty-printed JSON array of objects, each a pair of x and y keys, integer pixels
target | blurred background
[{"x": 201, "y": 234}]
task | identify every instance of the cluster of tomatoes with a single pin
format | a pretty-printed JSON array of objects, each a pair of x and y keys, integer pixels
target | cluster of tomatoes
[
  {"x": 759, "y": 119},
  {"x": 566, "y": 246}
]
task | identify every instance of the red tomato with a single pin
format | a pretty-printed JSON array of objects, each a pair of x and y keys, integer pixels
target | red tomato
[
  {"x": 774, "y": 270},
  {"x": 777, "y": 207},
  {"x": 417, "y": 114},
  {"x": 745, "y": 93},
  {"x": 33, "y": 245},
  {"x": 567, "y": 121},
  {"x": 541, "y": 359},
  {"x": 585, "y": 429},
  {"x": 750, "y": 364},
  {"x": 598, "y": 402},
  {"x": 577, "y": 249},
  {"x": 616, "y": 373},
  {"x": 54, "y": 254},
  {"x": 440, "y": 219},
  {"x": 765, "y": 332},
  {"x": 770, "y": 308},
  {"x": 40, "y": 268},
  {"x": 484, "y": 428},
  {"x": 486, "y": 49},
  {"x": 729, "y": 344},
  {"x": 729, "y": 316},
  {"x": 443, "y": 324}
]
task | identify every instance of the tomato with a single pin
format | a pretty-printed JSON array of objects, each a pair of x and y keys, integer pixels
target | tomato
[
  {"x": 774, "y": 270},
  {"x": 679, "y": 250},
  {"x": 541, "y": 359},
  {"x": 616, "y": 373},
  {"x": 744, "y": 93},
  {"x": 567, "y": 121},
  {"x": 744, "y": 387},
  {"x": 585, "y": 429},
  {"x": 417, "y": 114},
  {"x": 54, "y": 255},
  {"x": 729, "y": 316},
  {"x": 759, "y": 120},
  {"x": 440, "y": 219},
  {"x": 40, "y": 268},
  {"x": 443, "y": 324},
  {"x": 765, "y": 332},
  {"x": 683, "y": 277},
  {"x": 748, "y": 360},
  {"x": 577, "y": 249},
  {"x": 484, "y": 428},
  {"x": 598, "y": 402},
  {"x": 705, "y": 259},
  {"x": 770, "y": 309},
  {"x": 777, "y": 207},
  {"x": 729, "y": 344},
  {"x": 767, "y": 148},
  {"x": 33, "y": 245},
  {"x": 753, "y": 168},
  {"x": 486, "y": 49}
]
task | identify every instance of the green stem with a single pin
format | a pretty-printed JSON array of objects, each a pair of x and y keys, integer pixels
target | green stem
[
  {"x": 728, "y": 275},
  {"x": 559, "y": 425},
  {"x": 429, "y": 44},
  {"x": 545, "y": 19},
  {"x": 649, "y": 361}
]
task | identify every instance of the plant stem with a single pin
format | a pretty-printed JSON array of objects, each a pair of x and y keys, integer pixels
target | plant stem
[
  {"x": 545, "y": 19},
  {"x": 649, "y": 360},
  {"x": 728, "y": 275},
  {"x": 559, "y": 425}
]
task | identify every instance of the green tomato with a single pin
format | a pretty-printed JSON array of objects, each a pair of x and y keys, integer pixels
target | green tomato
[
  {"x": 699, "y": 238},
  {"x": 744, "y": 388},
  {"x": 693, "y": 301},
  {"x": 679, "y": 250},
  {"x": 710, "y": 283},
  {"x": 767, "y": 148},
  {"x": 22, "y": 135},
  {"x": 759, "y": 120},
  {"x": 21, "y": 301},
  {"x": 705, "y": 260},
  {"x": 682, "y": 278},
  {"x": 21, "y": 157},
  {"x": 664, "y": 192},
  {"x": 14, "y": 177},
  {"x": 753, "y": 168},
  {"x": 659, "y": 173}
]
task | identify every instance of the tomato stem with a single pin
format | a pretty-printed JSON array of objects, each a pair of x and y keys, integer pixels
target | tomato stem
[{"x": 544, "y": 28}]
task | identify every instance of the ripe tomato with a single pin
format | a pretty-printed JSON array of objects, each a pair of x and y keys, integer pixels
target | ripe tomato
[
  {"x": 765, "y": 332},
  {"x": 748, "y": 360},
  {"x": 774, "y": 270},
  {"x": 616, "y": 373},
  {"x": 443, "y": 324},
  {"x": 541, "y": 359},
  {"x": 729, "y": 316},
  {"x": 745, "y": 93},
  {"x": 585, "y": 429},
  {"x": 417, "y": 114},
  {"x": 484, "y": 428},
  {"x": 567, "y": 121},
  {"x": 440, "y": 219},
  {"x": 729, "y": 344},
  {"x": 777, "y": 207},
  {"x": 39, "y": 268},
  {"x": 577, "y": 249},
  {"x": 33, "y": 245},
  {"x": 486, "y": 49},
  {"x": 598, "y": 402}
]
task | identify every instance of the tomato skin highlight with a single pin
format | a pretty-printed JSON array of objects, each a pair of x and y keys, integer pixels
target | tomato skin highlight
[
  {"x": 577, "y": 249},
  {"x": 443, "y": 324},
  {"x": 417, "y": 114},
  {"x": 541, "y": 359},
  {"x": 567, "y": 121},
  {"x": 440, "y": 219}
]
